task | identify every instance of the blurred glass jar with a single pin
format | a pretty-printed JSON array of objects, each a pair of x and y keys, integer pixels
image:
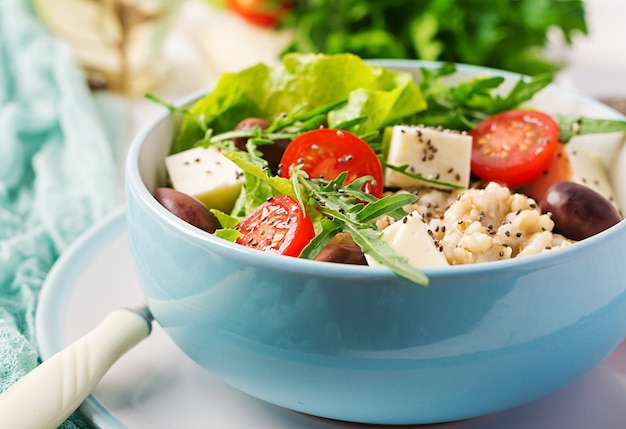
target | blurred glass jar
[{"x": 117, "y": 42}]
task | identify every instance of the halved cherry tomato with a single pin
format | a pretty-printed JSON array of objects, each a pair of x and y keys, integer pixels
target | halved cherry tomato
[
  {"x": 279, "y": 225},
  {"x": 264, "y": 13},
  {"x": 513, "y": 147},
  {"x": 325, "y": 153}
]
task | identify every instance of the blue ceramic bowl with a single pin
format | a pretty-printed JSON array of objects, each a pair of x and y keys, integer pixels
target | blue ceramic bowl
[{"x": 360, "y": 344}]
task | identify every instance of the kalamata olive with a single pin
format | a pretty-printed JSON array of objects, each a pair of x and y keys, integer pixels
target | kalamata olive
[
  {"x": 578, "y": 211},
  {"x": 245, "y": 125},
  {"x": 271, "y": 153},
  {"x": 187, "y": 208},
  {"x": 342, "y": 254}
]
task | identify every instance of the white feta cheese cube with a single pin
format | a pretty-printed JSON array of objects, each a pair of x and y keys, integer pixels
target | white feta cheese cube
[
  {"x": 435, "y": 153},
  {"x": 409, "y": 238},
  {"x": 206, "y": 174},
  {"x": 588, "y": 169}
]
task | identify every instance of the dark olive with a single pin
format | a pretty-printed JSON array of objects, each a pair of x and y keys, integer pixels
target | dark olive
[
  {"x": 187, "y": 208},
  {"x": 245, "y": 125},
  {"x": 577, "y": 210},
  {"x": 272, "y": 153},
  {"x": 342, "y": 254}
]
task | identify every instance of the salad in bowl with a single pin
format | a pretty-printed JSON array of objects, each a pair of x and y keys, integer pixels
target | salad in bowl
[
  {"x": 356, "y": 240},
  {"x": 359, "y": 164}
]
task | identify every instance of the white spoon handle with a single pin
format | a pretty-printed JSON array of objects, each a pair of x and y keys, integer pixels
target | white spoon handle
[{"x": 47, "y": 395}]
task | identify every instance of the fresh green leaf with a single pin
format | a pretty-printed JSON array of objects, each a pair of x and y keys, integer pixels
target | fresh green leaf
[
  {"x": 423, "y": 30},
  {"x": 342, "y": 214},
  {"x": 369, "y": 241},
  {"x": 198, "y": 119},
  {"x": 570, "y": 126},
  {"x": 338, "y": 202},
  {"x": 463, "y": 105},
  {"x": 281, "y": 186},
  {"x": 225, "y": 220},
  {"x": 524, "y": 90},
  {"x": 351, "y": 87},
  {"x": 258, "y": 185},
  {"x": 404, "y": 169},
  {"x": 313, "y": 123},
  {"x": 350, "y": 123},
  {"x": 329, "y": 229},
  {"x": 387, "y": 205},
  {"x": 296, "y": 175},
  {"x": 287, "y": 119},
  {"x": 227, "y": 234}
]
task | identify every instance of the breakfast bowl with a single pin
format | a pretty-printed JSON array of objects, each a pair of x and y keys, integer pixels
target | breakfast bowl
[{"x": 364, "y": 344}]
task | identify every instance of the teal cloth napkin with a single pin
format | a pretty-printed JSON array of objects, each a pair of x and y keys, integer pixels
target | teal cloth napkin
[{"x": 58, "y": 174}]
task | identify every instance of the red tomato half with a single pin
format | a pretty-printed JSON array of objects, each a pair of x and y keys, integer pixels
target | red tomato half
[
  {"x": 513, "y": 147},
  {"x": 326, "y": 153},
  {"x": 264, "y": 13},
  {"x": 279, "y": 225}
]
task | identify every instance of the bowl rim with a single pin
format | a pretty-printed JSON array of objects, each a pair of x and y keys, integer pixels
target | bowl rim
[{"x": 134, "y": 181}]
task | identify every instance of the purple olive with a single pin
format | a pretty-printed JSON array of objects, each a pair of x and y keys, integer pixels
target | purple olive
[
  {"x": 246, "y": 125},
  {"x": 578, "y": 211},
  {"x": 187, "y": 208},
  {"x": 272, "y": 153},
  {"x": 342, "y": 254}
]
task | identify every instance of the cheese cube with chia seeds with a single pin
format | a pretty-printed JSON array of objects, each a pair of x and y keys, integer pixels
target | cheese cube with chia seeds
[
  {"x": 207, "y": 175},
  {"x": 588, "y": 170},
  {"x": 435, "y": 153},
  {"x": 411, "y": 239}
]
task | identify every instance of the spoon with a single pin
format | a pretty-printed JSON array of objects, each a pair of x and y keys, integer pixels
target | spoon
[{"x": 45, "y": 397}]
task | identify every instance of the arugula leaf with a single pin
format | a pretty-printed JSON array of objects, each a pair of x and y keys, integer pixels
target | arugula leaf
[
  {"x": 404, "y": 169},
  {"x": 329, "y": 228},
  {"x": 385, "y": 206},
  {"x": 462, "y": 106},
  {"x": 343, "y": 213},
  {"x": 369, "y": 241},
  {"x": 570, "y": 126},
  {"x": 176, "y": 109},
  {"x": 288, "y": 119},
  {"x": 333, "y": 206},
  {"x": 523, "y": 91}
]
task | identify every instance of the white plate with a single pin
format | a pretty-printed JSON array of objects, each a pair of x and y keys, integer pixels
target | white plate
[{"x": 156, "y": 386}]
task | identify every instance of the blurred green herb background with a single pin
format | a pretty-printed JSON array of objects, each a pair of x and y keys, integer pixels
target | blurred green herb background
[{"x": 504, "y": 34}]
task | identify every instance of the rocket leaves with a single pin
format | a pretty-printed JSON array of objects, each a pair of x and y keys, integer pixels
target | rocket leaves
[
  {"x": 334, "y": 207},
  {"x": 461, "y": 106},
  {"x": 344, "y": 210}
]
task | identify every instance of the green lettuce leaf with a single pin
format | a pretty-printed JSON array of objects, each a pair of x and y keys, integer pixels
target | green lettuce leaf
[
  {"x": 301, "y": 83},
  {"x": 258, "y": 185}
]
